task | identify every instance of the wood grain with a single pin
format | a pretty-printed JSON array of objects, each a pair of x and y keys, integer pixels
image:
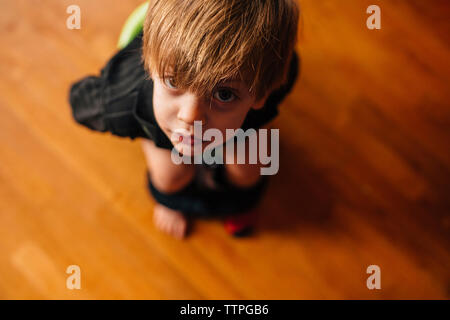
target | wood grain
[{"x": 364, "y": 176}]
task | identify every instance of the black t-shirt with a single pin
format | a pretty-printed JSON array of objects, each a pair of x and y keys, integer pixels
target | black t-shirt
[{"x": 120, "y": 99}]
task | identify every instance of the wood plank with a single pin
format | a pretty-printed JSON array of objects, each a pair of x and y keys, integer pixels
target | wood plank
[{"x": 364, "y": 175}]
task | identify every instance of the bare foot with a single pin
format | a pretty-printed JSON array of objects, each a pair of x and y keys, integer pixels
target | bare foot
[{"x": 170, "y": 221}]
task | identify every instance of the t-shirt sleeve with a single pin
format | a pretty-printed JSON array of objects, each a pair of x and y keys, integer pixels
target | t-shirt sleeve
[{"x": 107, "y": 102}]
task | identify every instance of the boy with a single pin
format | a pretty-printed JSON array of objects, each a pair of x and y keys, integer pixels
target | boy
[{"x": 226, "y": 63}]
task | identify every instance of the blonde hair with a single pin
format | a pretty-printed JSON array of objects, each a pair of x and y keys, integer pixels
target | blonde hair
[{"x": 201, "y": 43}]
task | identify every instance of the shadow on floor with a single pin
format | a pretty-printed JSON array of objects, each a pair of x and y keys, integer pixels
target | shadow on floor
[{"x": 298, "y": 196}]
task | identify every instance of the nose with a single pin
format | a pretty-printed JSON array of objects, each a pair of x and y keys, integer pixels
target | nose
[{"x": 192, "y": 108}]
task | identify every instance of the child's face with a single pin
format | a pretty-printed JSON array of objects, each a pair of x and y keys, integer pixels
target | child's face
[{"x": 176, "y": 110}]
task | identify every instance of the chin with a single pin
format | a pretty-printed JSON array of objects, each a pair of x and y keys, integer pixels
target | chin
[{"x": 189, "y": 151}]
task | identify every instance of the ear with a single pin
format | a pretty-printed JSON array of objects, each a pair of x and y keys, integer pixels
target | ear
[{"x": 260, "y": 103}]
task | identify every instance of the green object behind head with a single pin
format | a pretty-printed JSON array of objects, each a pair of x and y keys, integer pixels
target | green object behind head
[{"x": 133, "y": 25}]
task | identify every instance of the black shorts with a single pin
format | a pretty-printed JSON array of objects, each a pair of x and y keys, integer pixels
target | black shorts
[{"x": 199, "y": 201}]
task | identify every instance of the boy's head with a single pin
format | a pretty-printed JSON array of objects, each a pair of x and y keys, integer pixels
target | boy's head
[
  {"x": 203, "y": 42},
  {"x": 230, "y": 53}
]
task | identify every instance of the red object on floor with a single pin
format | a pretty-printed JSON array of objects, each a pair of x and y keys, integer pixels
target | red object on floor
[{"x": 241, "y": 224}]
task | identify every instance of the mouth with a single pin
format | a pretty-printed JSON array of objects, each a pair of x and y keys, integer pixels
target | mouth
[{"x": 184, "y": 137}]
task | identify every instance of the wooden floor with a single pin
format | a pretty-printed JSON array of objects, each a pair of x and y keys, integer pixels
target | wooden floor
[{"x": 364, "y": 177}]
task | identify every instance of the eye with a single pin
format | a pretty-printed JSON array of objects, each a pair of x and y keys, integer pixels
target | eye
[
  {"x": 224, "y": 95},
  {"x": 169, "y": 82}
]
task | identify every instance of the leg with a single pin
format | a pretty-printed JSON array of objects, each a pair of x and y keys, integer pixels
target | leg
[
  {"x": 243, "y": 176},
  {"x": 167, "y": 177}
]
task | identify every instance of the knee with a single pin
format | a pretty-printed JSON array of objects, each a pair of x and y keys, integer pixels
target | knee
[
  {"x": 243, "y": 175},
  {"x": 171, "y": 182}
]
